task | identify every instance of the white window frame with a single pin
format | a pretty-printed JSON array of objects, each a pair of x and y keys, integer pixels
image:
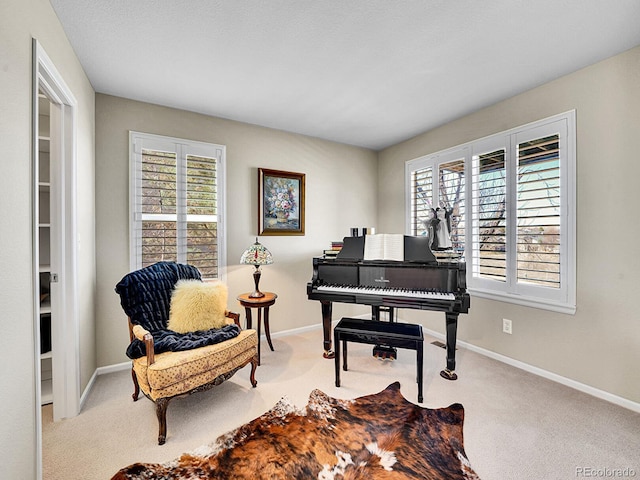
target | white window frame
[
  {"x": 182, "y": 148},
  {"x": 434, "y": 162},
  {"x": 562, "y": 299}
]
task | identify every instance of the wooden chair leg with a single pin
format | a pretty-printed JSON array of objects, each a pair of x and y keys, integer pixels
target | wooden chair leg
[
  {"x": 254, "y": 365},
  {"x": 161, "y": 412},
  {"x": 136, "y": 386}
]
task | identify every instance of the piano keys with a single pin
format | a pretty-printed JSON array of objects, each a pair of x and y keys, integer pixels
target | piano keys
[
  {"x": 392, "y": 292},
  {"x": 420, "y": 283}
]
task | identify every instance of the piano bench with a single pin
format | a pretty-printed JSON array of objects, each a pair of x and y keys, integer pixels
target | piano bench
[{"x": 372, "y": 332}]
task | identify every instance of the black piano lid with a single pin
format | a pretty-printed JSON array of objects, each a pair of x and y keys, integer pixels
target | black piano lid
[
  {"x": 352, "y": 249},
  {"x": 416, "y": 249}
]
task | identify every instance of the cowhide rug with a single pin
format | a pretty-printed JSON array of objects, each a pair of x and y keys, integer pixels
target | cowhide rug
[{"x": 379, "y": 436}]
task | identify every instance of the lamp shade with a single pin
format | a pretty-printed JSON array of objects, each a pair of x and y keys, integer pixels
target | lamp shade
[{"x": 257, "y": 254}]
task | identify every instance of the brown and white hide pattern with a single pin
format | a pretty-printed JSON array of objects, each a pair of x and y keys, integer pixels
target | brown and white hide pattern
[{"x": 380, "y": 436}]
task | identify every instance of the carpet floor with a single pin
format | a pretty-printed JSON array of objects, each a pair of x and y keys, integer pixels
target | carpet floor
[{"x": 517, "y": 425}]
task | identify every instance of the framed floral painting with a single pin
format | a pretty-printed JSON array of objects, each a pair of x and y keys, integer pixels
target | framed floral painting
[{"x": 280, "y": 202}]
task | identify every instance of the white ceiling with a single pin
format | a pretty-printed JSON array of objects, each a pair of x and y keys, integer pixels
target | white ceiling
[{"x": 364, "y": 72}]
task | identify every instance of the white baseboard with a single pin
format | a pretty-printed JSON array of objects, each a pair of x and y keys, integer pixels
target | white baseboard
[
  {"x": 595, "y": 392},
  {"x": 118, "y": 367},
  {"x": 299, "y": 330},
  {"x": 85, "y": 393},
  {"x": 101, "y": 371},
  {"x": 609, "y": 397}
]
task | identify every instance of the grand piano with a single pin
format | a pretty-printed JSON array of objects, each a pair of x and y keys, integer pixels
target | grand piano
[{"x": 420, "y": 282}]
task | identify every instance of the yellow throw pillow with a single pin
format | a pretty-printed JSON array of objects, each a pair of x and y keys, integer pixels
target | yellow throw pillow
[{"x": 197, "y": 305}]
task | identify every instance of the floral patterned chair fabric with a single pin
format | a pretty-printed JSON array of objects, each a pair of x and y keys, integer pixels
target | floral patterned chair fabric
[{"x": 145, "y": 296}]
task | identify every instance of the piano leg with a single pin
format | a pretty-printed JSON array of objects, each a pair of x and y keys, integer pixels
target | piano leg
[
  {"x": 376, "y": 309},
  {"x": 452, "y": 331},
  {"x": 326, "y": 328}
]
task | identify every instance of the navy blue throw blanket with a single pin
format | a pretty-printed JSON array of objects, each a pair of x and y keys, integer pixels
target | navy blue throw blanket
[
  {"x": 145, "y": 296},
  {"x": 170, "y": 341}
]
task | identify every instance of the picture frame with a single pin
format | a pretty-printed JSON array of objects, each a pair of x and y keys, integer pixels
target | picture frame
[{"x": 280, "y": 202}]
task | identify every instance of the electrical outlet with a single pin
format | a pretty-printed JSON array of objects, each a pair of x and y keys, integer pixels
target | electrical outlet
[{"x": 507, "y": 326}]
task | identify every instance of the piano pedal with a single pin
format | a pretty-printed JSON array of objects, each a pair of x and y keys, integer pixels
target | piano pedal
[
  {"x": 382, "y": 352},
  {"x": 329, "y": 354},
  {"x": 448, "y": 374}
]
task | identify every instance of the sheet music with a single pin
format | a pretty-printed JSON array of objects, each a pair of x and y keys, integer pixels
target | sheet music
[{"x": 384, "y": 246}]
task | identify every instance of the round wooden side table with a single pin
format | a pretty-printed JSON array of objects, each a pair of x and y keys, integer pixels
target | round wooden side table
[{"x": 262, "y": 304}]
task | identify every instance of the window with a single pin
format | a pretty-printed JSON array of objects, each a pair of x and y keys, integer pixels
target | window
[
  {"x": 447, "y": 193},
  {"x": 177, "y": 202},
  {"x": 514, "y": 224}
]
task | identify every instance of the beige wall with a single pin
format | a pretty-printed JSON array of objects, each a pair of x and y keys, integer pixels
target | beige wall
[
  {"x": 597, "y": 346},
  {"x": 340, "y": 193},
  {"x": 20, "y": 20},
  {"x": 600, "y": 345}
]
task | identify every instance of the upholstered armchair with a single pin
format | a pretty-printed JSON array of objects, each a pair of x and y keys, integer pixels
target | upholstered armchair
[{"x": 183, "y": 340}]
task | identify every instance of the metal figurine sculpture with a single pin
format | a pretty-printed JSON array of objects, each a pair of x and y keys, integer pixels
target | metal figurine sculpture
[{"x": 439, "y": 228}]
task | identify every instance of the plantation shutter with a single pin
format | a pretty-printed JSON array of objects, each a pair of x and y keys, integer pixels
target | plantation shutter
[
  {"x": 201, "y": 231},
  {"x": 421, "y": 199},
  {"x": 438, "y": 181},
  {"x": 451, "y": 196},
  {"x": 489, "y": 215},
  {"x": 158, "y": 233},
  {"x": 538, "y": 212},
  {"x": 176, "y": 196},
  {"x": 513, "y": 201}
]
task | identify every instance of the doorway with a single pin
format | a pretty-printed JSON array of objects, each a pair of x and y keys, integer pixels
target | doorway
[{"x": 56, "y": 348}]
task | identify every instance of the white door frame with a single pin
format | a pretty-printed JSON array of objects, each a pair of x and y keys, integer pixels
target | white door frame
[{"x": 65, "y": 331}]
